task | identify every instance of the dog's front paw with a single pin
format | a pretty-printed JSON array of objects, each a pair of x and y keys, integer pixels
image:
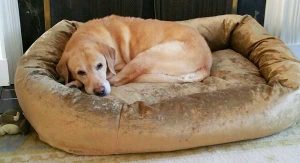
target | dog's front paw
[
  {"x": 74, "y": 84},
  {"x": 113, "y": 81},
  {"x": 109, "y": 76}
]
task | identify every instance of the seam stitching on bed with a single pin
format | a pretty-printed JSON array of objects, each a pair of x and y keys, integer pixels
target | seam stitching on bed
[{"x": 119, "y": 124}]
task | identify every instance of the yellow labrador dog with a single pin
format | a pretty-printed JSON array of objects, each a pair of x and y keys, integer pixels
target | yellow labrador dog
[{"x": 117, "y": 50}]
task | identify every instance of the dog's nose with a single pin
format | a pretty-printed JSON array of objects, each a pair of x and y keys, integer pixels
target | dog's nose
[{"x": 100, "y": 91}]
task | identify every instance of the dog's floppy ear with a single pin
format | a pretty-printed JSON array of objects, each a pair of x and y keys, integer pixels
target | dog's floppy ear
[
  {"x": 110, "y": 57},
  {"x": 62, "y": 68}
]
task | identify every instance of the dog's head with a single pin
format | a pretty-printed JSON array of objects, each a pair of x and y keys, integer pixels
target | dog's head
[{"x": 90, "y": 64}]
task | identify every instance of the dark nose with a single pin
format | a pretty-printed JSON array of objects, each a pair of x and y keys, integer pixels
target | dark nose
[{"x": 100, "y": 91}]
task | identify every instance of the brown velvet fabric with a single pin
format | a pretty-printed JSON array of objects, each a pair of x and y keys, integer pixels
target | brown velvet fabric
[
  {"x": 253, "y": 91},
  {"x": 269, "y": 54}
]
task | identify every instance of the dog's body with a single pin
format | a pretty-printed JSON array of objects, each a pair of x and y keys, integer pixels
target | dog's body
[{"x": 138, "y": 50}]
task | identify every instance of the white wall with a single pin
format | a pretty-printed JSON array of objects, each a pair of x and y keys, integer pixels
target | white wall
[
  {"x": 282, "y": 19},
  {"x": 10, "y": 40},
  {"x": 4, "y": 76}
]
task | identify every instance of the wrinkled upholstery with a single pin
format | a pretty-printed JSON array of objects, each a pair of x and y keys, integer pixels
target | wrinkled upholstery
[{"x": 253, "y": 91}]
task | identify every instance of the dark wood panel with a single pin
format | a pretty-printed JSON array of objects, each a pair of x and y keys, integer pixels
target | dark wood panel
[
  {"x": 187, "y": 9},
  {"x": 32, "y": 21},
  {"x": 255, "y": 8},
  {"x": 83, "y": 10},
  {"x": 8, "y": 99},
  {"x": 33, "y": 24}
]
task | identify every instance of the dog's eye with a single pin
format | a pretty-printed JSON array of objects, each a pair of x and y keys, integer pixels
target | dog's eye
[
  {"x": 99, "y": 66},
  {"x": 81, "y": 73}
]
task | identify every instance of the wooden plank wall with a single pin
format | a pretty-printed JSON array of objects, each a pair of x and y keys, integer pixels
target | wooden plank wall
[{"x": 33, "y": 22}]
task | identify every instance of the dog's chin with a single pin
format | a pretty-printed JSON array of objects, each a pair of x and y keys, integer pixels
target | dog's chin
[{"x": 105, "y": 84}]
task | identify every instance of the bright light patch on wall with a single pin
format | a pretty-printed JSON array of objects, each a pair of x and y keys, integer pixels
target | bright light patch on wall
[
  {"x": 4, "y": 76},
  {"x": 10, "y": 40},
  {"x": 282, "y": 19}
]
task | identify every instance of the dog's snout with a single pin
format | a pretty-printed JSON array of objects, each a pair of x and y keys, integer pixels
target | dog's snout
[{"x": 100, "y": 91}]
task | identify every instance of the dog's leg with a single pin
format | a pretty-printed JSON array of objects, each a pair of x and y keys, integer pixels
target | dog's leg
[
  {"x": 132, "y": 70},
  {"x": 157, "y": 78},
  {"x": 74, "y": 84},
  {"x": 172, "y": 61},
  {"x": 142, "y": 63}
]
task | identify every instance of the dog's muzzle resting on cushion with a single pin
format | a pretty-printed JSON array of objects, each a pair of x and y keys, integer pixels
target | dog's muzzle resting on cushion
[{"x": 123, "y": 49}]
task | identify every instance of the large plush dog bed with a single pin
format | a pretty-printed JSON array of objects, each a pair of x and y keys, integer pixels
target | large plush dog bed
[{"x": 253, "y": 91}]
